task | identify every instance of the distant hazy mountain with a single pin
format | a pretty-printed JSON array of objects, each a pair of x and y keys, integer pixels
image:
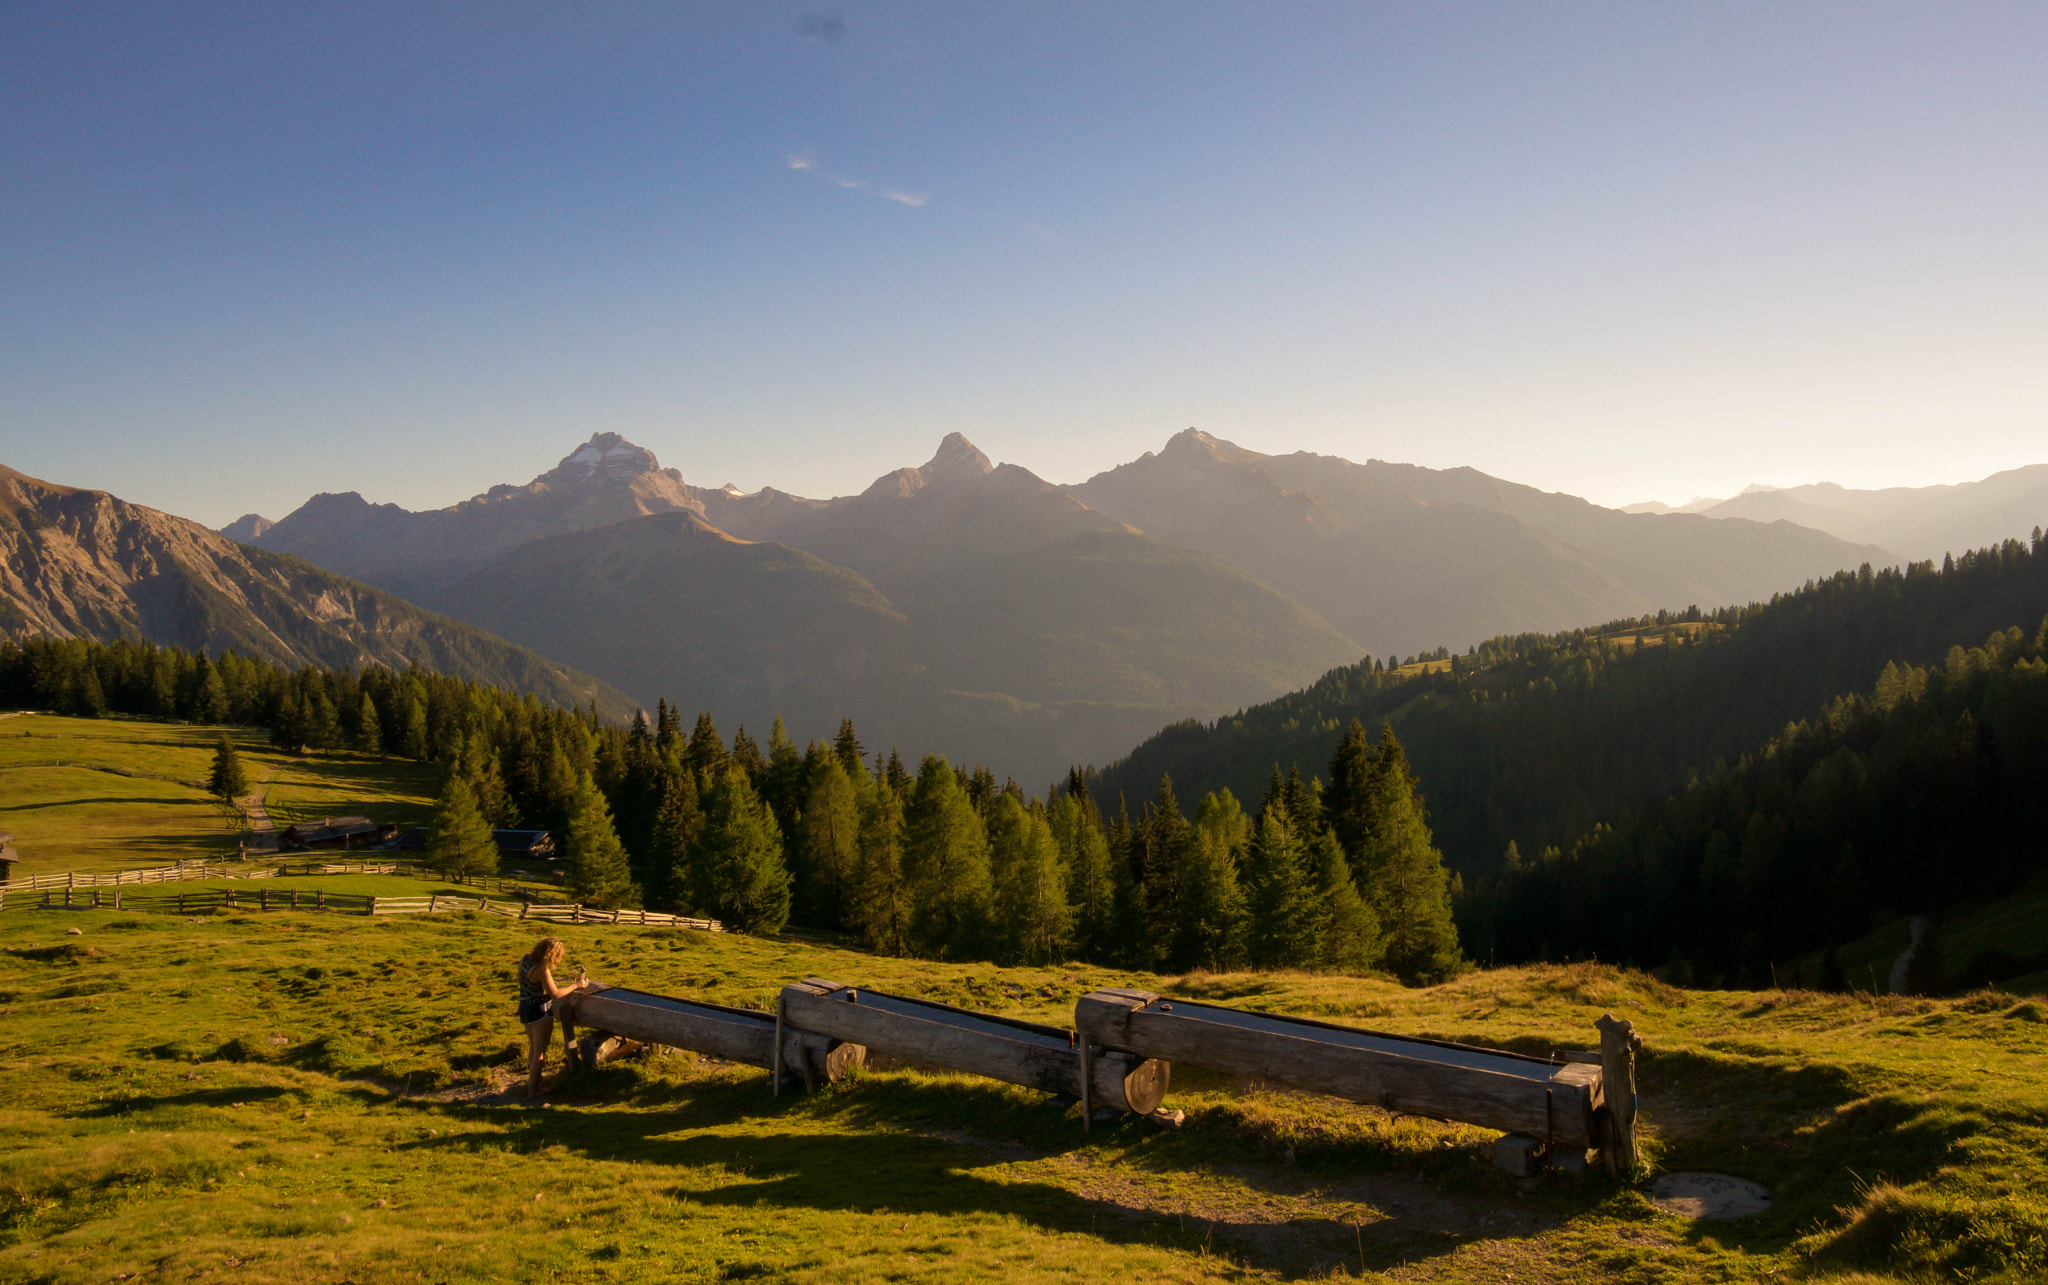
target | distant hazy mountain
[
  {"x": 963, "y": 607},
  {"x": 979, "y": 610},
  {"x": 79, "y": 563},
  {"x": 1404, "y": 558},
  {"x": 605, "y": 480},
  {"x": 1917, "y": 522},
  {"x": 247, "y": 527}
]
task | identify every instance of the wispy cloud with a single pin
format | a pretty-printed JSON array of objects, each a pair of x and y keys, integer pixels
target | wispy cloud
[{"x": 804, "y": 164}]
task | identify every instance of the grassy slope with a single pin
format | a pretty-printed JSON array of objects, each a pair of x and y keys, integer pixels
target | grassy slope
[
  {"x": 81, "y": 816},
  {"x": 227, "y": 1095}
]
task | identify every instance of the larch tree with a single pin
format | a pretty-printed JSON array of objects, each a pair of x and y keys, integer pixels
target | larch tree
[
  {"x": 461, "y": 845},
  {"x": 1210, "y": 912},
  {"x": 1091, "y": 887},
  {"x": 597, "y": 874},
  {"x": 880, "y": 904},
  {"x": 740, "y": 851},
  {"x": 1283, "y": 914},
  {"x": 831, "y": 845},
  {"x": 671, "y": 880},
  {"x": 1349, "y": 931},
  {"x": 1402, "y": 875},
  {"x": 945, "y": 860},
  {"x": 1032, "y": 921}
]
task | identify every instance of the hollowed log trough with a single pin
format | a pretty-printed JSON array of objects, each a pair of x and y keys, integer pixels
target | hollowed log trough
[
  {"x": 734, "y": 1034},
  {"x": 1558, "y": 1102},
  {"x": 1047, "y": 1058}
]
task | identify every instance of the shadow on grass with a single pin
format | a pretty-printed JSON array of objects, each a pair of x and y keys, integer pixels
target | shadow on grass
[
  {"x": 911, "y": 1144},
  {"x": 232, "y": 1095}
]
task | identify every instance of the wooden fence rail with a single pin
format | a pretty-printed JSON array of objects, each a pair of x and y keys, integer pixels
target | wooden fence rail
[
  {"x": 117, "y": 897},
  {"x": 239, "y": 870}
]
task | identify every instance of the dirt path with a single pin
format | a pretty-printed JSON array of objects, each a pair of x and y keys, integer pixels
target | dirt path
[{"x": 262, "y": 830}]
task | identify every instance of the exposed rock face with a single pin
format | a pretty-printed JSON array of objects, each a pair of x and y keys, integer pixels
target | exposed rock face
[
  {"x": 247, "y": 527},
  {"x": 76, "y": 563},
  {"x": 603, "y": 481}
]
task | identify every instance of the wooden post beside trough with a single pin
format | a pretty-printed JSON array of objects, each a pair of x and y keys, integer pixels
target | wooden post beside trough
[
  {"x": 734, "y": 1034},
  {"x": 1551, "y": 1101},
  {"x": 1047, "y": 1058}
]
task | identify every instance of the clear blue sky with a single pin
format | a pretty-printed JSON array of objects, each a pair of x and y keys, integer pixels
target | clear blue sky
[{"x": 1630, "y": 251}]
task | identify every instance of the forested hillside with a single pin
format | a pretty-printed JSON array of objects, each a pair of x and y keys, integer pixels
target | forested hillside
[
  {"x": 941, "y": 862},
  {"x": 1535, "y": 740},
  {"x": 83, "y": 563},
  {"x": 1929, "y": 788}
]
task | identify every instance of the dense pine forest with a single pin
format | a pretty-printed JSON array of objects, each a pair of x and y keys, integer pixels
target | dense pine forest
[{"x": 943, "y": 862}]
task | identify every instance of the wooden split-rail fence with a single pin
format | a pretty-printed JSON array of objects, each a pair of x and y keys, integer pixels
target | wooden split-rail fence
[
  {"x": 1120, "y": 1051},
  {"x": 210, "y": 899},
  {"x": 239, "y": 870}
]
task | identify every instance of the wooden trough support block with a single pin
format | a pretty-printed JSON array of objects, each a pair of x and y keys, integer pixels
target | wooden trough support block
[
  {"x": 734, "y": 1034},
  {"x": 1552, "y": 1101},
  {"x": 1036, "y": 1056}
]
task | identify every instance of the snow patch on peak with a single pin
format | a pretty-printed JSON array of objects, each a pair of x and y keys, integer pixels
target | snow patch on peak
[
  {"x": 605, "y": 456},
  {"x": 957, "y": 455}
]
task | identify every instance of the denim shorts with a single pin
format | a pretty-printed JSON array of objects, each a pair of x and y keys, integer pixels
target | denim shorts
[{"x": 533, "y": 1010}]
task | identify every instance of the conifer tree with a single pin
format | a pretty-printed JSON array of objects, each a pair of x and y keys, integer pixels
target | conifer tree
[
  {"x": 847, "y": 748},
  {"x": 1161, "y": 840},
  {"x": 287, "y": 728},
  {"x": 739, "y": 850},
  {"x": 321, "y": 730},
  {"x": 369, "y": 727},
  {"x": 1029, "y": 889},
  {"x": 896, "y": 776},
  {"x": 1347, "y": 800},
  {"x": 210, "y": 696},
  {"x": 412, "y": 733},
  {"x": 487, "y": 783},
  {"x": 880, "y": 901},
  {"x": 945, "y": 860},
  {"x": 597, "y": 873},
  {"x": 1091, "y": 889},
  {"x": 1210, "y": 912},
  {"x": 1283, "y": 914},
  {"x": 90, "y": 699},
  {"x": 461, "y": 845},
  {"x": 669, "y": 877},
  {"x": 785, "y": 784},
  {"x": 706, "y": 751},
  {"x": 1403, "y": 878},
  {"x": 831, "y": 846},
  {"x": 228, "y": 781},
  {"x": 746, "y": 755},
  {"x": 1349, "y": 931}
]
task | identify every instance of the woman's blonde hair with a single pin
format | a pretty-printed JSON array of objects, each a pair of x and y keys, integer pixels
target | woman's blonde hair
[{"x": 546, "y": 953}]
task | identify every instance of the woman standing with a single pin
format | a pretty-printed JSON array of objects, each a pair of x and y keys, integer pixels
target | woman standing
[{"x": 537, "y": 996}]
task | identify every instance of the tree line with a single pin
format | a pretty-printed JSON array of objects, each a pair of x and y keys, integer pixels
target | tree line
[
  {"x": 1927, "y": 789},
  {"x": 942, "y": 861},
  {"x": 1535, "y": 739}
]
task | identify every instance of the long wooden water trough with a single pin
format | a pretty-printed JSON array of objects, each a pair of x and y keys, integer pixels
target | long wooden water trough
[
  {"x": 1121, "y": 1052},
  {"x": 734, "y": 1034},
  {"x": 1564, "y": 1104},
  {"x": 1047, "y": 1058}
]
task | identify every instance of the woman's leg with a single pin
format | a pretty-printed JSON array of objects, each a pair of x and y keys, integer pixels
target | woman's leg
[{"x": 537, "y": 1036}]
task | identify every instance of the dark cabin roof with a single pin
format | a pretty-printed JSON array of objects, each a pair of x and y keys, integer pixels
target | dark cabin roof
[
  {"x": 329, "y": 830},
  {"x": 523, "y": 843}
]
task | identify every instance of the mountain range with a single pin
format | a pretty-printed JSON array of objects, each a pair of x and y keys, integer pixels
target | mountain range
[
  {"x": 83, "y": 563},
  {"x": 1917, "y": 522},
  {"x": 982, "y": 611}
]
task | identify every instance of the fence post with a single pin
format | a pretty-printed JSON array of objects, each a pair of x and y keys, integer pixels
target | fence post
[
  {"x": 263, "y": 899},
  {"x": 524, "y": 906},
  {"x": 433, "y": 900},
  {"x": 320, "y": 900},
  {"x": 181, "y": 903}
]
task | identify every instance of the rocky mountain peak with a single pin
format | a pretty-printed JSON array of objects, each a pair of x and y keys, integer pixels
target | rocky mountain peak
[
  {"x": 247, "y": 527},
  {"x": 606, "y": 457},
  {"x": 957, "y": 457}
]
